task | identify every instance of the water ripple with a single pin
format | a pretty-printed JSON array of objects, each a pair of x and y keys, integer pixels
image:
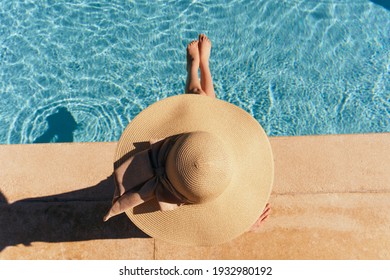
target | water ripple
[
  {"x": 96, "y": 120},
  {"x": 299, "y": 67}
]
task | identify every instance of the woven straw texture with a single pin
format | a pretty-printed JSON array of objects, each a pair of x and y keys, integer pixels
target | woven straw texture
[{"x": 251, "y": 163}]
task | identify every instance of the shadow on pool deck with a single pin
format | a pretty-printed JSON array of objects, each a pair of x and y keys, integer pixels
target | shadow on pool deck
[{"x": 71, "y": 216}]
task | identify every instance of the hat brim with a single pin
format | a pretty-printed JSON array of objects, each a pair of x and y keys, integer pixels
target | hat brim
[{"x": 243, "y": 201}]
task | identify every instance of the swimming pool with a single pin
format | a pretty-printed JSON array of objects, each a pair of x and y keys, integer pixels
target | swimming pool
[{"x": 81, "y": 70}]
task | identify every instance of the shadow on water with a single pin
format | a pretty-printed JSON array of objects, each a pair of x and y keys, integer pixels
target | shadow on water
[
  {"x": 71, "y": 216},
  {"x": 384, "y": 3},
  {"x": 61, "y": 126}
]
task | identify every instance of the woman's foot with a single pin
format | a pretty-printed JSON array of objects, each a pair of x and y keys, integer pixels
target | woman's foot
[
  {"x": 204, "y": 50},
  {"x": 206, "y": 80},
  {"x": 192, "y": 83},
  {"x": 192, "y": 55},
  {"x": 262, "y": 218}
]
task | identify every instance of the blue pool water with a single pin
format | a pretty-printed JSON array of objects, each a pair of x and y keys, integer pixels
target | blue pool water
[{"x": 81, "y": 70}]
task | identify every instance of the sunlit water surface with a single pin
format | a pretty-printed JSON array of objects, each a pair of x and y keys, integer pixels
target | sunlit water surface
[{"x": 87, "y": 68}]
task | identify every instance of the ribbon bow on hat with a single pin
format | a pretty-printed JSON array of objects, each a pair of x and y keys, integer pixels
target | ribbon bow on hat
[{"x": 142, "y": 178}]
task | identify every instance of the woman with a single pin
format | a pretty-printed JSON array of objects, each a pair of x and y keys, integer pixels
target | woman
[{"x": 206, "y": 171}]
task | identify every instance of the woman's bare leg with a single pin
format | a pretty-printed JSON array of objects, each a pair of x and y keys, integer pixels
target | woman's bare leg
[
  {"x": 205, "y": 74},
  {"x": 193, "y": 83}
]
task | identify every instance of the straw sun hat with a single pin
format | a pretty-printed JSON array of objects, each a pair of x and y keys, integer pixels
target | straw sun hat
[{"x": 193, "y": 170}]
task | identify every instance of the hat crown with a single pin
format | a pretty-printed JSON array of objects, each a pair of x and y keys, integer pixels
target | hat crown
[{"x": 199, "y": 166}]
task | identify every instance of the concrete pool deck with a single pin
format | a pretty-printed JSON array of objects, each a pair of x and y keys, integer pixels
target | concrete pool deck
[{"x": 330, "y": 200}]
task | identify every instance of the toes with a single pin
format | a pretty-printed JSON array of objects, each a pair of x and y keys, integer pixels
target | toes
[
  {"x": 204, "y": 39},
  {"x": 192, "y": 44}
]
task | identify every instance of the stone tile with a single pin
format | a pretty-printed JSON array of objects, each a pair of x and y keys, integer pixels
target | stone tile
[
  {"x": 332, "y": 163},
  {"x": 38, "y": 229},
  {"x": 108, "y": 249},
  {"x": 330, "y": 201},
  {"x": 307, "y": 226},
  {"x": 35, "y": 170}
]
